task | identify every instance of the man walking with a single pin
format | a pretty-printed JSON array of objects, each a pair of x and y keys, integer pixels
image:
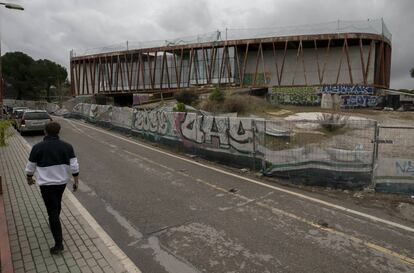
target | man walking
[{"x": 54, "y": 161}]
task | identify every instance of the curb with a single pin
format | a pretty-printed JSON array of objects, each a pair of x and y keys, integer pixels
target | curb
[{"x": 6, "y": 264}]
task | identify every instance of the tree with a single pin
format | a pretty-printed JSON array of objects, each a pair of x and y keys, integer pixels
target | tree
[
  {"x": 16, "y": 69},
  {"x": 48, "y": 73},
  {"x": 412, "y": 72},
  {"x": 29, "y": 78}
]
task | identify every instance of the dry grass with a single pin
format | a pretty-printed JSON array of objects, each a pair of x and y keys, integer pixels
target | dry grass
[{"x": 244, "y": 105}]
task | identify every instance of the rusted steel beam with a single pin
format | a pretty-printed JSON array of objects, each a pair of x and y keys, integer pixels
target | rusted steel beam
[
  {"x": 99, "y": 75},
  {"x": 257, "y": 64},
  {"x": 111, "y": 70},
  {"x": 79, "y": 76},
  {"x": 181, "y": 69},
  {"x": 303, "y": 63},
  {"x": 268, "y": 40},
  {"x": 340, "y": 62},
  {"x": 74, "y": 83},
  {"x": 72, "y": 78},
  {"x": 244, "y": 65},
  {"x": 221, "y": 65},
  {"x": 237, "y": 61},
  {"x": 190, "y": 67},
  {"x": 263, "y": 65},
  {"x": 195, "y": 64},
  {"x": 213, "y": 62},
  {"x": 154, "y": 69},
  {"x": 129, "y": 68},
  {"x": 317, "y": 61},
  {"x": 205, "y": 62},
  {"x": 228, "y": 65},
  {"x": 162, "y": 69},
  {"x": 348, "y": 61},
  {"x": 283, "y": 61},
  {"x": 120, "y": 65},
  {"x": 327, "y": 55},
  {"x": 175, "y": 67},
  {"x": 84, "y": 79},
  {"x": 167, "y": 71},
  {"x": 276, "y": 66},
  {"x": 361, "y": 54},
  {"x": 296, "y": 63},
  {"x": 92, "y": 70},
  {"x": 149, "y": 62},
  {"x": 142, "y": 68},
  {"x": 382, "y": 63},
  {"x": 388, "y": 51}
]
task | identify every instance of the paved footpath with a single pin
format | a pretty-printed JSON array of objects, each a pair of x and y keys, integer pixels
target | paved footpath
[{"x": 87, "y": 247}]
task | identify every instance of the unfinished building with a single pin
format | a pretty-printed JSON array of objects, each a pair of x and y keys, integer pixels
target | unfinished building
[{"x": 297, "y": 64}]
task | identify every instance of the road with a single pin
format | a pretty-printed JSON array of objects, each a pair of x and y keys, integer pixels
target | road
[{"x": 171, "y": 213}]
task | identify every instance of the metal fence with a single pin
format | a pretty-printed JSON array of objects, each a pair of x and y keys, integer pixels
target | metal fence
[
  {"x": 321, "y": 152},
  {"x": 339, "y": 152}
]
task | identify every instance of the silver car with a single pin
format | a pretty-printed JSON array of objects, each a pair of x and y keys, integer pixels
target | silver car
[{"x": 33, "y": 120}]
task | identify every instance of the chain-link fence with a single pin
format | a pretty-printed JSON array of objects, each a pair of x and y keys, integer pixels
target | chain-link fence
[{"x": 333, "y": 151}]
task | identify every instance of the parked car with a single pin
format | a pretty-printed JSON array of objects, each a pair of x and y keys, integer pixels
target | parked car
[
  {"x": 16, "y": 116},
  {"x": 15, "y": 109},
  {"x": 33, "y": 120}
]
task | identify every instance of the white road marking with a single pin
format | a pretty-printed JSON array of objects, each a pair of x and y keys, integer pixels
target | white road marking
[
  {"x": 325, "y": 203},
  {"x": 107, "y": 240}
]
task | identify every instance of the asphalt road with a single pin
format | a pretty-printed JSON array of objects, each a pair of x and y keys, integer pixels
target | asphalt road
[{"x": 177, "y": 215}]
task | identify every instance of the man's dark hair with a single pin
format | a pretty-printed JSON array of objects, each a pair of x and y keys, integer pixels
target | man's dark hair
[{"x": 52, "y": 128}]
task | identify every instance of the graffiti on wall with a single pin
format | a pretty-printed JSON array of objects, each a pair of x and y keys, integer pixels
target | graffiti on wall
[
  {"x": 348, "y": 89},
  {"x": 121, "y": 117},
  {"x": 303, "y": 96},
  {"x": 192, "y": 129},
  {"x": 404, "y": 167},
  {"x": 100, "y": 112},
  {"x": 261, "y": 78},
  {"x": 360, "y": 101}
]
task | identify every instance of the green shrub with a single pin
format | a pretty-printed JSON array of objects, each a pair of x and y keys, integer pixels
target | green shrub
[
  {"x": 4, "y": 132},
  {"x": 217, "y": 95},
  {"x": 187, "y": 97},
  {"x": 180, "y": 107},
  {"x": 332, "y": 122}
]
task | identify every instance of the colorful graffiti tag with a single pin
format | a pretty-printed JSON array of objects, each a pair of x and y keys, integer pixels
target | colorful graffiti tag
[
  {"x": 360, "y": 101},
  {"x": 192, "y": 129},
  {"x": 303, "y": 96},
  {"x": 348, "y": 89}
]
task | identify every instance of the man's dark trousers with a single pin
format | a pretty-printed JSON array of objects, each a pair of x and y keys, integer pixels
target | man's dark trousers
[{"x": 52, "y": 196}]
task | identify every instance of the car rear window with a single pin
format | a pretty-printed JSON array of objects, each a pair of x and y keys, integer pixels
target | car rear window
[
  {"x": 19, "y": 114},
  {"x": 36, "y": 115}
]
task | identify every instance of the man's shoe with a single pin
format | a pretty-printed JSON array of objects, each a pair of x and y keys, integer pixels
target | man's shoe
[{"x": 56, "y": 250}]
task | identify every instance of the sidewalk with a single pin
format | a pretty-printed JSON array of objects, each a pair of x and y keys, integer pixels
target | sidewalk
[{"x": 87, "y": 247}]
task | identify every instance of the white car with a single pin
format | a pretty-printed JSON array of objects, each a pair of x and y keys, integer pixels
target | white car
[{"x": 33, "y": 120}]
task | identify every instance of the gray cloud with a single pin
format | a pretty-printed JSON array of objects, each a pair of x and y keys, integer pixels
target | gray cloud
[{"x": 50, "y": 29}]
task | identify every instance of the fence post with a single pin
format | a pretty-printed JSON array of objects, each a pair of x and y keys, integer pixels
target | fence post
[
  {"x": 254, "y": 143},
  {"x": 374, "y": 153},
  {"x": 264, "y": 147}
]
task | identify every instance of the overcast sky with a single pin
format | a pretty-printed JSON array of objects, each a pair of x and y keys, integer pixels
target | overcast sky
[{"x": 50, "y": 28}]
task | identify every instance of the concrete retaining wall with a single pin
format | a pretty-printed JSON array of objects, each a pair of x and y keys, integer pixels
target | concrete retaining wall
[{"x": 234, "y": 141}]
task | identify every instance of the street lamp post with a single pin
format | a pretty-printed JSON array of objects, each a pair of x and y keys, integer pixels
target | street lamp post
[{"x": 8, "y": 6}]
